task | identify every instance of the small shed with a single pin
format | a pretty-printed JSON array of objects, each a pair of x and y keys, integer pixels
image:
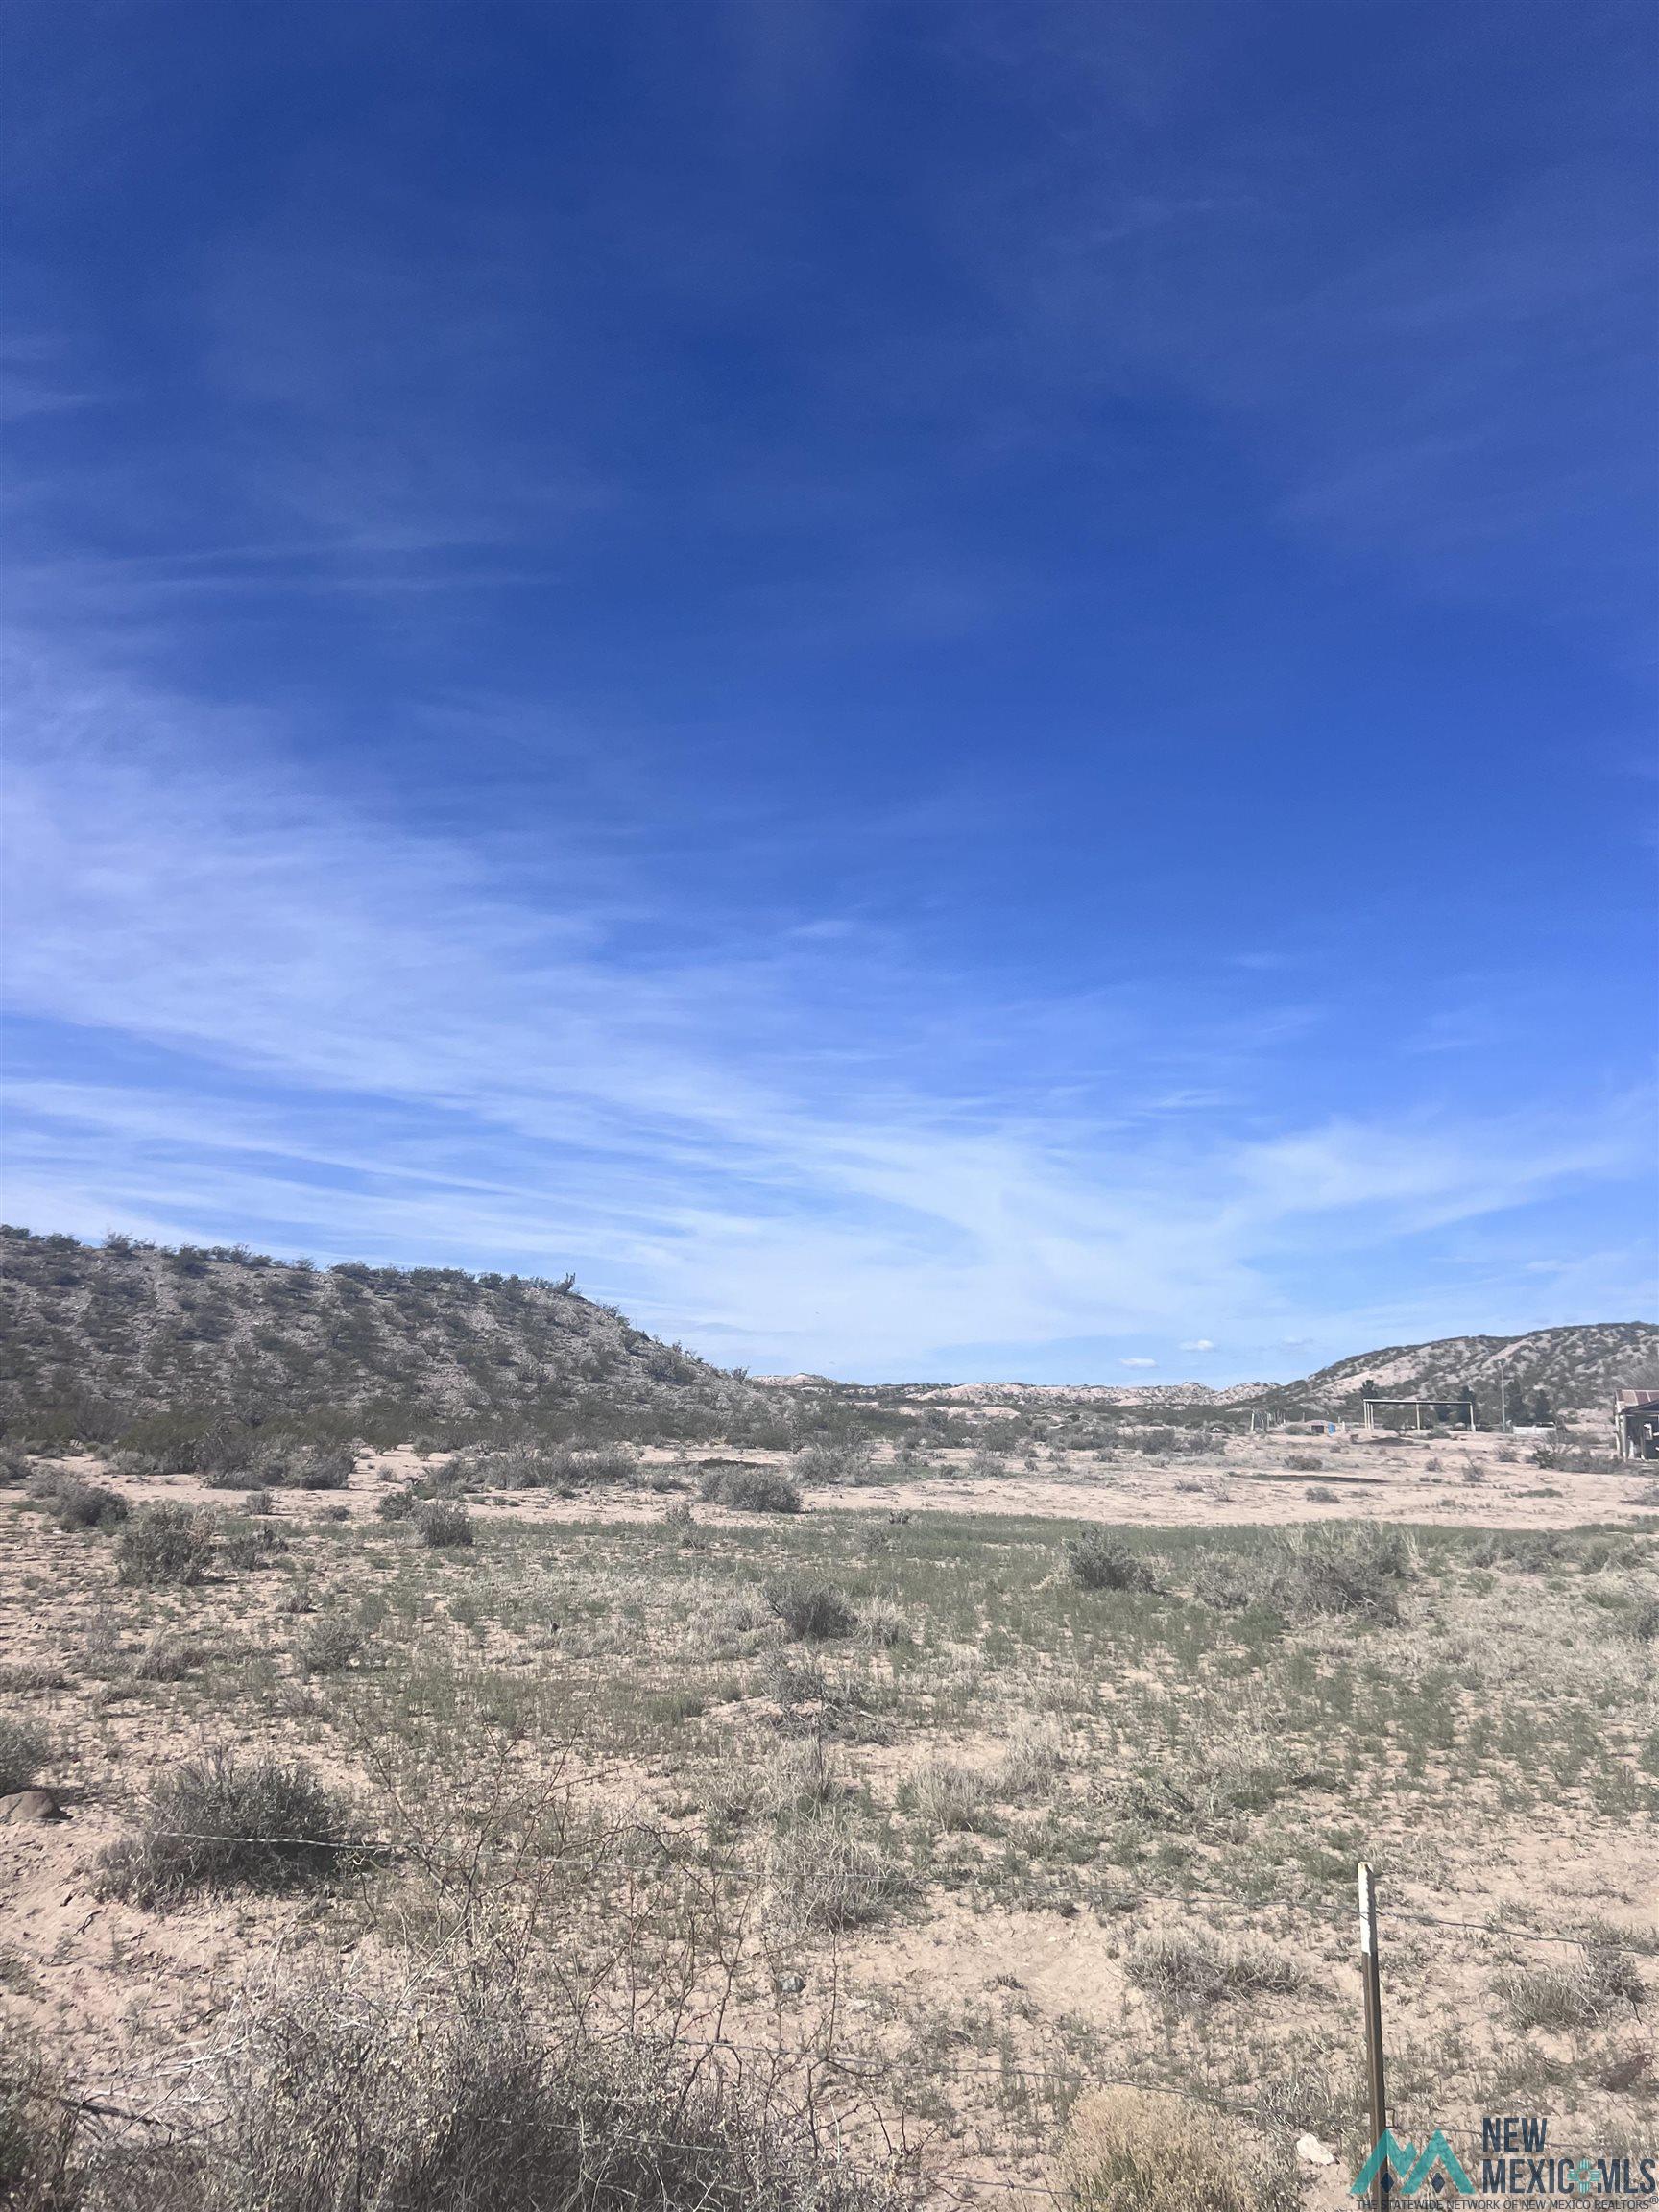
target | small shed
[{"x": 1636, "y": 1424}]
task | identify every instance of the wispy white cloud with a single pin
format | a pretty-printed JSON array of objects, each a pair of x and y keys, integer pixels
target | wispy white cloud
[{"x": 319, "y": 1027}]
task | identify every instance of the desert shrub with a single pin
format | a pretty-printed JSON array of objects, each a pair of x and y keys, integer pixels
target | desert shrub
[
  {"x": 248, "y": 1478},
  {"x": 848, "y": 1457},
  {"x": 330, "y": 1644},
  {"x": 1100, "y": 1562},
  {"x": 325, "y": 1467},
  {"x": 444, "y": 1526},
  {"x": 1354, "y": 1570},
  {"x": 1133, "y": 2151},
  {"x": 143, "y": 1466},
  {"x": 82, "y": 1504},
  {"x": 336, "y": 2099},
  {"x": 24, "y": 1749},
  {"x": 1642, "y": 1622},
  {"x": 15, "y": 1465},
  {"x": 1575, "y": 1459},
  {"x": 1190, "y": 1970},
  {"x": 245, "y": 1551},
  {"x": 397, "y": 1506},
  {"x": 1303, "y": 1462},
  {"x": 218, "y": 1822},
  {"x": 1527, "y": 1550},
  {"x": 1320, "y": 1494},
  {"x": 167, "y": 1657},
  {"x": 750, "y": 1490},
  {"x": 810, "y": 1610},
  {"x": 165, "y": 1543},
  {"x": 1578, "y": 1992},
  {"x": 28, "y": 1677}
]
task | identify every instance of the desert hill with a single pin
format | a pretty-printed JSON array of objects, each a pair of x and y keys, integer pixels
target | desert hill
[
  {"x": 1577, "y": 1366},
  {"x": 93, "y": 1337}
]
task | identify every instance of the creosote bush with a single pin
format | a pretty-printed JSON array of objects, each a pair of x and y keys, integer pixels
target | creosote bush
[
  {"x": 329, "y": 1644},
  {"x": 1133, "y": 2151},
  {"x": 1101, "y": 1562},
  {"x": 220, "y": 1822},
  {"x": 327, "y": 1467},
  {"x": 750, "y": 1490},
  {"x": 165, "y": 1543},
  {"x": 82, "y": 1504},
  {"x": 444, "y": 1526}
]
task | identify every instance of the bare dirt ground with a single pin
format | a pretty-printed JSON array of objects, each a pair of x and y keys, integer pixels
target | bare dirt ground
[{"x": 992, "y": 1838}]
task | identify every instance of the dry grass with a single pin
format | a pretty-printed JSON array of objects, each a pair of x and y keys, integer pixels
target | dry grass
[
  {"x": 1184, "y": 1970},
  {"x": 1593, "y": 1986},
  {"x": 830, "y": 1874},
  {"x": 996, "y": 1838},
  {"x": 1127, "y": 2151}
]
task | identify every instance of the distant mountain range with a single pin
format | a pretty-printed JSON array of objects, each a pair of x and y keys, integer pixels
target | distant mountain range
[{"x": 1577, "y": 1366}]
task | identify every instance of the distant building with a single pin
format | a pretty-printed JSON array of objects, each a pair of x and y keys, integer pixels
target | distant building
[{"x": 1636, "y": 1424}]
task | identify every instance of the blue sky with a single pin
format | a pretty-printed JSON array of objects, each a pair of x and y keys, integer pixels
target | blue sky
[{"x": 941, "y": 690}]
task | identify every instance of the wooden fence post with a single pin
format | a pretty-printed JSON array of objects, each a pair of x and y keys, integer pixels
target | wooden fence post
[{"x": 1382, "y": 2186}]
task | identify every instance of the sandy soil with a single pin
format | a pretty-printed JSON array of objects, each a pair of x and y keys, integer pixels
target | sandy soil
[{"x": 1462, "y": 1483}]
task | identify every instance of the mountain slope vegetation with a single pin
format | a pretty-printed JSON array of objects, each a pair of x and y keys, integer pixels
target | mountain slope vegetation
[
  {"x": 1577, "y": 1366},
  {"x": 94, "y": 1338}
]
